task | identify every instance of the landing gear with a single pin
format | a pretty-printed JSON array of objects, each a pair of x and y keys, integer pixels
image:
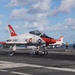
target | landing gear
[
  {"x": 12, "y": 53},
  {"x": 14, "y": 49},
  {"x": 45, "y": 52},
  {"x": 36, "y": 52}
]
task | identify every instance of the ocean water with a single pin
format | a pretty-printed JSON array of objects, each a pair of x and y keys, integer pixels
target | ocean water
[{"x": 71, "y": 46}]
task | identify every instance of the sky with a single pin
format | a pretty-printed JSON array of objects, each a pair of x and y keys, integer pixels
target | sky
[{"x": 53, "y": 17}]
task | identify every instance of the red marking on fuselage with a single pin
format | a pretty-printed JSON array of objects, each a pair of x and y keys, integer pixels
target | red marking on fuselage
[
  {"x": 3, "y": 43},
  {"x": 49, "y": 40}
]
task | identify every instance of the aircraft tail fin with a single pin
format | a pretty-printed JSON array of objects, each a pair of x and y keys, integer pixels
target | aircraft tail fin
[
  {"x": 60, "y": 39},
  {"x": 12, "y": 32},
  {"x": 59, "y": 42}
]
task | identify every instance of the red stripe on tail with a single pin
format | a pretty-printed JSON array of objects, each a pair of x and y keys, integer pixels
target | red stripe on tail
[
  {"x": 60, "y": 39},
  {"x": 12, "y": 32}
]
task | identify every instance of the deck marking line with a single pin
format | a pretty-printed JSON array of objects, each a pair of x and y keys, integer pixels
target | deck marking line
[
  {"x": 19, "y": 73},
  {"x": 6, "y": 64}
]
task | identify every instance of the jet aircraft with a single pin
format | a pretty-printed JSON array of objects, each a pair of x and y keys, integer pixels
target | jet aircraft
[
  {"x": 28, "y": 39},
  {"x": 32, "y": 38}
]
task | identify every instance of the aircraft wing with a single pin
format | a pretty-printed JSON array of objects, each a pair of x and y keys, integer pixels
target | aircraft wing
[{"x": 21, "y": 43}]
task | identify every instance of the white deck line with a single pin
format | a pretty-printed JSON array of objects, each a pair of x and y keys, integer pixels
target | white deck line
[{"x": 6, "y": 64}]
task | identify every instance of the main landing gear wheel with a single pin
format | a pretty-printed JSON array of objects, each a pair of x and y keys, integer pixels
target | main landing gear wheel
[
  {"x": 45, "y": 52},
  {"x": 12, "y": 53},
  {"x": 36, "y": 52}
]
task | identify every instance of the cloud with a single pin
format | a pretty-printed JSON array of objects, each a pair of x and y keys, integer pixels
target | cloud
[
  {"x": 18, "y": 14},
  {"x": 39, "y": 11},
  {"x": 53, "y": 12},
  {"x": 35, "y": 6},
  {"x": 34, "y": 21},
  {"x": 40, "y": 6},
  {"x": 31, "y": 21},
  {"x": 70, "y": 22},
  {"x": 56, "y": 27},
  {"x": 35, "y": 15},
  {"x": 22, "y": 14},
  {"x": 34, "y": 25},
  {"x": 14, "y": 3},
  {"x": 39, "y": 26},
  {"x": 66, "y": 6}
]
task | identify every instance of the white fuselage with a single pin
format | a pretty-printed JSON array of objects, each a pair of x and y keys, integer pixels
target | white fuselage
[{"x": 24, "y": 39}]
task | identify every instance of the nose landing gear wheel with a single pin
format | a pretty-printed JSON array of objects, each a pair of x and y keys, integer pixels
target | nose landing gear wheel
[{"x": 13, "y": 52}]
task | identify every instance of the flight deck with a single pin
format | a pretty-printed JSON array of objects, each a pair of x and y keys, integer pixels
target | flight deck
[{"x": 25, "y": 62}]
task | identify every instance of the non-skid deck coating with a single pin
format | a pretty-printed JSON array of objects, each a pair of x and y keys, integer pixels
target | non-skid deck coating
[{"x": 25, "y": 62}]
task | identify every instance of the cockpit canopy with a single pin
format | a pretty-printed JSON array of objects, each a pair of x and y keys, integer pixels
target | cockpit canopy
[
  {"x": 36, "y": 32},
  {"x": 39, "y": 33}
]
